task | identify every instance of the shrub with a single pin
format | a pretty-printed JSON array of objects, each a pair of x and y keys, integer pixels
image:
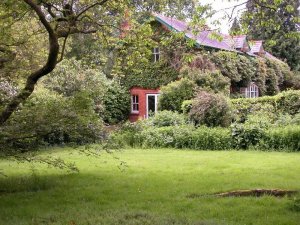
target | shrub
[
  {"x": 127, "y": 136},
  {"x": 281, "y": 138},
  {"x": 186, "y": 106},
  {"x": 116, "y": 104},
  {"x": 246, "y": 135},
  {"x": 166, "y": 118},
  {"x": 173, "y": 94},
  {"x": 71, "y": 77},
  {"x": 202, "y": 138},
  {"x": 216, "y": 138},
  {"x": 185, "y": 136},
  {"x": 49, "y": 118},
  {"x": 212, "y": 81},
  {"x": 287, "y": 102},
  {"x": 210, "y": 109}
]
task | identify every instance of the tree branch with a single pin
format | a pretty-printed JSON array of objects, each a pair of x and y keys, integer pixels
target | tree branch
[
  {"x": 35, "y": 76},
  {"x": 89, "y": 7}
]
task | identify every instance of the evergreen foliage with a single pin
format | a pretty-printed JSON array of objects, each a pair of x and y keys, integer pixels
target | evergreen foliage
[
  {"x": 173, "y": 94},
  {"x": 276, "y": 22}
]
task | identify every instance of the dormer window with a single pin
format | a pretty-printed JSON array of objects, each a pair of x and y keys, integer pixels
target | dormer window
[{"x": 156, "y": 54}]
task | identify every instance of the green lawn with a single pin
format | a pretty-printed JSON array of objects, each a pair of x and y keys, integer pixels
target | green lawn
[{"x": 153, "y": 188}]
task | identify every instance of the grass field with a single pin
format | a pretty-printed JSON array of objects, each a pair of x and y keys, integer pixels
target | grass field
[{"x": 152, "y": 187}]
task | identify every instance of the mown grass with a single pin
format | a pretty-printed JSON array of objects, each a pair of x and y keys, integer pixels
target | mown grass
[{"x": 151, "y": 187}]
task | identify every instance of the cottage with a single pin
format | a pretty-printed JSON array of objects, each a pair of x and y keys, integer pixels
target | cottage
[{"x": 144, "y": 101}]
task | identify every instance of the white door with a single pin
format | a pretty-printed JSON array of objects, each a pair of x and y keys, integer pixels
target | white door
[{"x": 152, "y": 101}]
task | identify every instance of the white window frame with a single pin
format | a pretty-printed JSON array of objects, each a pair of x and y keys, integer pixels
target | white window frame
[
  {"x": 156, "y": 103},
  {"x": 156, "y": 54},
  {"x": 135, "y": 102},
  {"x": 252, "y": 91}
]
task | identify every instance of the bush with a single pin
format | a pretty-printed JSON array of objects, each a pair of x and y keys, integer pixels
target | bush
[
  {"x": 212, "y": 81},
  {"x": 202, "y": 138},
  {"x": 281, "y": 138},
  {"x": 127, "y": 136},
  {"x": 246, "y": 135},
  {"x": 185, "y": 136},
  {"x": 216, "y": 138},
  {"x": 116, "y": 104},
  {"x": 49, "y": 118},
  {"x": 287, "y": 102},
  {"x": 166, "y": 118},
  {"x": 186, "y": 106},
  {"x": 173, "y": 94},
  {"x": 210, "y": 109}
]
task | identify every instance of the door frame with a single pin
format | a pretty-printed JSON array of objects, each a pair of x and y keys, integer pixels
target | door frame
[{"x": 155, "y": 103}]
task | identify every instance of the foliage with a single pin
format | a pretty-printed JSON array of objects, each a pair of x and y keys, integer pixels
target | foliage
[
  {"x": 7, "y": 91},
  {"x": 166, "y": 118},
  {"x": 246, "y": 135},
  {"x": 210, "y": 109},
  {"x": 282, "y": 138},
  {"x": 49, "y": 118},
  {"x": 116, "y": 104},
  {"x": 286, "y": 102},
  {"x": 173, "y": 94},
  {"x": 150, "y": 75},
  {"x": 277, "y": 22},
  {"x": 72, "y": 76},
  {"x": 185, "y": 136},
  {"x": 186, "y": 106},
  {"x": 211, "y": 81},
  {"x": 127, "y": 136},
  {"x": 227, "y": 63},
  {"x": 235, "y": 27}
]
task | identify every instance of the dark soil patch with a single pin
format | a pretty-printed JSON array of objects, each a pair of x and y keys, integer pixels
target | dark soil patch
[{"x": 249, "y": 193}]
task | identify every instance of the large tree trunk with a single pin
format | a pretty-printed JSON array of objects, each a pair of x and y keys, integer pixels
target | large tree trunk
[{"x": 35, "y": 76}]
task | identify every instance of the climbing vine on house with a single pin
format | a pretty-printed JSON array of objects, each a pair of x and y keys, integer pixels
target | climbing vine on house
[{"x": 150, "y": 75}]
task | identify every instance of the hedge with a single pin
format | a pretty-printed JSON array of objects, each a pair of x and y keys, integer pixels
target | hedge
[{"x": 205, "y": 138}]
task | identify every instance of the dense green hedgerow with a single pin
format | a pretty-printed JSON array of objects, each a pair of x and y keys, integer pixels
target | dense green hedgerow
[
  {"x": 281, "y": 138},
  {"x": 184, "y": 136},
  {"x": 287, "y": 102},
  {"x": 240, "y": 136}
]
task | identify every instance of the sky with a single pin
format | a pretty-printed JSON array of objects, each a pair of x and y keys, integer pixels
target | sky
[{"x": 224, "y": 7}]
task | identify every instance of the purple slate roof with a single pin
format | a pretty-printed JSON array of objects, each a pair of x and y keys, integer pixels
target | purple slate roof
[
  {"x": 256, "y": 47},
  {"x": 270, "y": 56},
  {"x": 202, "y": 38},
  {"x": 239, "y": 41},
  {"x": 229, "y": 43}
]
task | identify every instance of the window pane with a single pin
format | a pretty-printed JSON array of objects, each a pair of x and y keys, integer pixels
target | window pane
[{"x": 135, "y": 103}]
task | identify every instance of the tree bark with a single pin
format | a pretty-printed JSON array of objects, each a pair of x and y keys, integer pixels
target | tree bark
[{"x": 35, "y": 76}]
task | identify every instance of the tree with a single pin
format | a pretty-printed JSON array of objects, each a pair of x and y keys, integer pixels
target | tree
[
  {"x": 59, "y": 20},
  {"x": 55, "y": 22},
  {"x": 276, "y": 22},
  {"x": 235, "y": 28}
]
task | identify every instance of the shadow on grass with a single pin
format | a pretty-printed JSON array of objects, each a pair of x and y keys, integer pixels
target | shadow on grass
[{"x": 27, "y": 183}]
